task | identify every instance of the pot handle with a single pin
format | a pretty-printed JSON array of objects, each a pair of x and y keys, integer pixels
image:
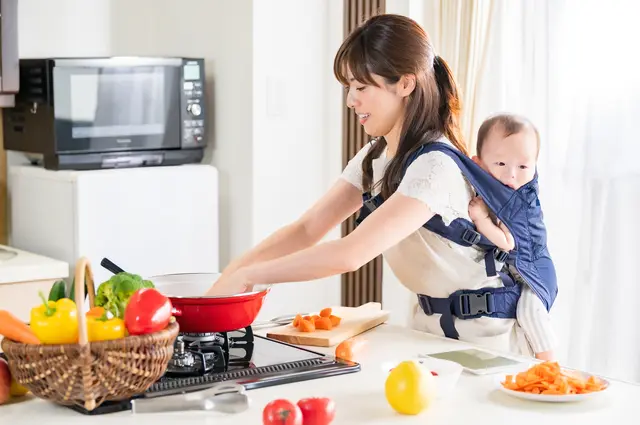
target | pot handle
[
  {"x": 176, "y": 311},
  {"x": 109, "y": 265}
]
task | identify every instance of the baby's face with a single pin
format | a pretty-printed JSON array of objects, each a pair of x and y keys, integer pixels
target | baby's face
[{"x": 512, "y": 159}]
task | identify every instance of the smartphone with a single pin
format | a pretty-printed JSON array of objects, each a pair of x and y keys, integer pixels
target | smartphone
[{"x": 477, "y": 361}]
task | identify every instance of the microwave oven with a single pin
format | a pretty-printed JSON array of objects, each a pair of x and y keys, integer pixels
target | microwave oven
[{"x": 109, "y": 112}]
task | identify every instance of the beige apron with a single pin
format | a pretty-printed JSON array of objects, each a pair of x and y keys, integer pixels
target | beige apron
[{"x": 429, "y": 264}]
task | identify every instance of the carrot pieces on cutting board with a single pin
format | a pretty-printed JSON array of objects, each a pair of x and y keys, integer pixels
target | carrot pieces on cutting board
[
  {"x": 323, "y": 321},
  {"x": 548, "y": 378}
]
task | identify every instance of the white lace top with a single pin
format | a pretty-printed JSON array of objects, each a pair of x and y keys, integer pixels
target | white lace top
[{"x": 429, "y": 264}]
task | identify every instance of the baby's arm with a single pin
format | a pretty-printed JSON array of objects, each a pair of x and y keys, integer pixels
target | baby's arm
[
  {"x": 499, "y": 235},
  {"x": 536, "y": 323}
]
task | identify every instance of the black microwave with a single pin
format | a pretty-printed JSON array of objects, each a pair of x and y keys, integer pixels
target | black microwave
[{"x": 110, "y": 112}]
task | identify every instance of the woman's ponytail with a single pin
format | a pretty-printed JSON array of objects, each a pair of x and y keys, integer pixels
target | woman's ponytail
[{"x": 450, "y": 105}]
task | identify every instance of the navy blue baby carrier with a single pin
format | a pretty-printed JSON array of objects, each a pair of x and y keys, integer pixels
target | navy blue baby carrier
[{"x": 520, "y": 211}]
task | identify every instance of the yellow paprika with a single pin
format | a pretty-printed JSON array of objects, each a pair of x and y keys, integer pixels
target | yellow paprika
[
  {"x": 55, "y": 322},
  {"x": 104, "y": 329}
]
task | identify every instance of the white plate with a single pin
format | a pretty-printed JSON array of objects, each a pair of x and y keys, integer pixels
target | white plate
[{"x": 547, "y": 398}]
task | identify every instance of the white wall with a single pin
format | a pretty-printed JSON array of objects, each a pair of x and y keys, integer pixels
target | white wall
[
  {"x": 296, "y": 113},
  {"x": 276, "y": 112},
  {"x": 61, "y": 28},
  {"x": 221, "y": 32}
]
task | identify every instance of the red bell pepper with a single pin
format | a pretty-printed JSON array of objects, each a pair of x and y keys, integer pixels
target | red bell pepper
[{"x": 147, "y": 311}]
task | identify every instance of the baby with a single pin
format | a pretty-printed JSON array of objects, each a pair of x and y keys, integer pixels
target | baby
[{"x": 507, "y": 148}]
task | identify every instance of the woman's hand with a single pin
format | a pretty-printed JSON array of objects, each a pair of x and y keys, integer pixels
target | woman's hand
[{"x": 235, "y": 283}]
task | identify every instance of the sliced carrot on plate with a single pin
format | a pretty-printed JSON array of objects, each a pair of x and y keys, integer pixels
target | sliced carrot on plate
[{"x": 549, "y": 378}]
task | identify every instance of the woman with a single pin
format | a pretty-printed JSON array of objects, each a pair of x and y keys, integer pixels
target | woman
[{"x": 404, "y": 96}]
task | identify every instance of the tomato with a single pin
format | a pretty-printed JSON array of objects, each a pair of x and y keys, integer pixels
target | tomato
[
  {"x": 147, "y": 311},
  {"x": 281, "y": 412},
  {"x": 317, "y": 410}
]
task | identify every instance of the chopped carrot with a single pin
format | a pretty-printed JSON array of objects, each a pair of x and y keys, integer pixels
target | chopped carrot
[
  {"x": 348, "y": 349},
  {"x": 549, "y": 378},
  {"x": 307, "y": 326},
  {"x": 323, "y": 323},
  {"x": 325, "y": 312},
  {"x": 95, "y": 312},
  {"x": 16, "y": 330}
]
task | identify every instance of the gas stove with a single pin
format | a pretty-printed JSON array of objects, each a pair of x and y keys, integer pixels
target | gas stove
[
  {"x": 203, "y": 360},
  {"x": 201, "y": 354}
]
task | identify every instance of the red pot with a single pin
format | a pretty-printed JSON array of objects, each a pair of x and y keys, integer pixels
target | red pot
[{"x": 196, "y": 313}]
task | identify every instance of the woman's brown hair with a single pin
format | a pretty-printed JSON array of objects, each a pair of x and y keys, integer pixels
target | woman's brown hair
[{"x": 392, "y": 46}]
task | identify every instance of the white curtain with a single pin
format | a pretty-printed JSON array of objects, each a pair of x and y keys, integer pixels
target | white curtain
[
  {"x": 459, "y": 30},
  {"x": 571, "y": 66}
]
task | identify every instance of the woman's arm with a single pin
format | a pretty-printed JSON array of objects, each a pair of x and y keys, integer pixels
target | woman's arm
[
  {"x": 340, "y": 202},
  {"x": 393, "y": 221}
]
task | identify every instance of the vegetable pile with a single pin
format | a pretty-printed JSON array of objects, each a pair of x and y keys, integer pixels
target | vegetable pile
[
  {"x": 548, "y": 378},
  {"x": 125, "y": 305}
]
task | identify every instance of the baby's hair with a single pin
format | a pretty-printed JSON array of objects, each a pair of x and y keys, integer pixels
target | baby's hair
[{"x": 509, "y": 124}]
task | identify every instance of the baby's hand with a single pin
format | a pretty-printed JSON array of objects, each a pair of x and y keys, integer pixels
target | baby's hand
[{"x": 478, "y": 210}]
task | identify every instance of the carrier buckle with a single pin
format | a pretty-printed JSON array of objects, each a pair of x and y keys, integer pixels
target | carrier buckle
[
  {"x": 501, "y": 256},
  {"x": 471, "y": 236},
  {"x": 474, "y": 304},
  {"x": 425, "y": 304}
]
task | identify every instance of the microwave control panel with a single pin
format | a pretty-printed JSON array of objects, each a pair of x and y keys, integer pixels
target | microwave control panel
[{"x": 193, "y": 108}]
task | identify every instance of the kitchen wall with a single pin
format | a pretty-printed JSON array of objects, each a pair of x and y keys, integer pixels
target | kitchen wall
[
  {"x": 276, "y": 113},
  {"x": 296, "y": 122}
]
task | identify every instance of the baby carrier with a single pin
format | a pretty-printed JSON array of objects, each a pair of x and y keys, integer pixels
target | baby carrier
[{"x": 529, "y": 261}]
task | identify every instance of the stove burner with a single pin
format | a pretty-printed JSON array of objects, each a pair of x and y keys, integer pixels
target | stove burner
[
  {"x": 203, "y": 337},
  {"x": 201, "y": 353}
]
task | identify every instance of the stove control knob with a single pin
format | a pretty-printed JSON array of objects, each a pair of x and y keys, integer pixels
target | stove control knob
[{"x": 194, "y": 109}]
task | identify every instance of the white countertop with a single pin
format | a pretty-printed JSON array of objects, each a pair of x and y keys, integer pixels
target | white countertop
[
  {"x": 20, "y": 266},
  {"x": 360, "y": 396}
]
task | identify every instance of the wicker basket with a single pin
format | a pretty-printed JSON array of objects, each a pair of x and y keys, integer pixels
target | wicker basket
[{"x": 88, "y": 374}]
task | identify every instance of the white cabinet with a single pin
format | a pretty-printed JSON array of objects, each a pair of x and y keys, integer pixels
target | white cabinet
[{"x": 149, "y": 221}]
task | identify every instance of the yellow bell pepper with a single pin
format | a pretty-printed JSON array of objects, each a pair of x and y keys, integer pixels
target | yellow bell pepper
[
  {"x": 55, "y": 322},
  {"x": 104, "y": 329}
]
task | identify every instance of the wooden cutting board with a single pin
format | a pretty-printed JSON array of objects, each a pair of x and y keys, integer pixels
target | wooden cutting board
[{"x": 355, "y": 320}]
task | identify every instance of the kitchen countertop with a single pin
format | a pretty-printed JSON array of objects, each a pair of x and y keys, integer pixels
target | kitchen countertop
[
  {"x": 360, "y": 396},
  {"x": 18, "y": 266}
]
